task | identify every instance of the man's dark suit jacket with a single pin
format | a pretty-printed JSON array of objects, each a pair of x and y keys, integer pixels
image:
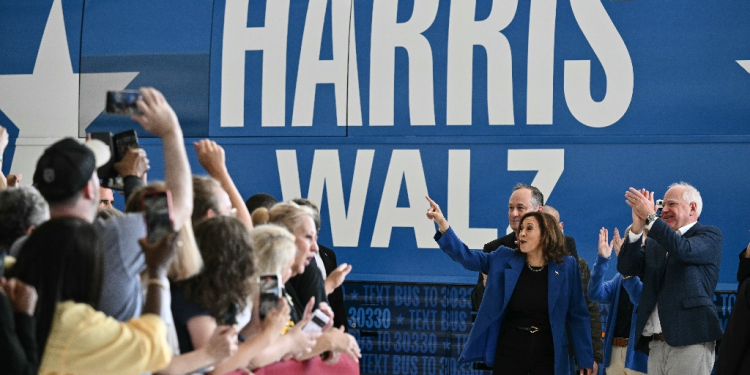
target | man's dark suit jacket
[
  {"x": 336, "y": 298},
  {"x": 680, "y": 274}
]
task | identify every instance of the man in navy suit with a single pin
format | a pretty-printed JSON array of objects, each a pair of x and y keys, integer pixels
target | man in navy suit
[{"x": 677, "y": 323}]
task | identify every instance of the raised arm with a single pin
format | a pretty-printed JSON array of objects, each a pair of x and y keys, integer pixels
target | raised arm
[
  {"x": 212, "y": 158},
  {"x": 452, "y": 245},
  {"x": 159, "y": 119},
  {"x": 598, "y": 290},
  {"x": 702, "y": 248}
]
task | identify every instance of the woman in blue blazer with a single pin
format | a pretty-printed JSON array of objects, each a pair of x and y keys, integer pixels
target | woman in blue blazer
[
  {"x": 609, "y": 292},
  {"x": 531, "y": 294}
]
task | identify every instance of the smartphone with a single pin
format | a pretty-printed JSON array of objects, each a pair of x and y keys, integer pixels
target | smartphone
[
  {"x": 123, "y": 103},
  {"x": 106, "y": 172},
  {"x": 119, "y": 145},
  {"x": 318, "y": 321},
  {"x": 157, "y": 209},
  {"x": 270, "y": 292},
  {"x": 124, "y": 142}
]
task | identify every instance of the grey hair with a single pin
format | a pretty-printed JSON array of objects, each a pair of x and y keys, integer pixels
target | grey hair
[
  {"x": 690, "y": 195},
  {"x": 20, "y": 208},
  {"x": 537, "y": 198},
  {"x": 274, "y": 248}
]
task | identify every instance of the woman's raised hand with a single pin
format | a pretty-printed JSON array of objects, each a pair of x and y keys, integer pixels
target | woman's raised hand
[
  {"x": 434, "y": 214},
  {"x": 617, "y": 242},
  {"x": 605, "y": 247}
]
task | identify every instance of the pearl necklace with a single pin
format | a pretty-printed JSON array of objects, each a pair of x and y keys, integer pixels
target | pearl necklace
[{"x": 535, "y": 269}]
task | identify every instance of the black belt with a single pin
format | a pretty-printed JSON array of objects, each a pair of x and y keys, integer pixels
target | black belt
[{"x": 531, "y": 329}]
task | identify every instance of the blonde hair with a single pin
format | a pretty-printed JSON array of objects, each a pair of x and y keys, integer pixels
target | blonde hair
[
  {"x": 287, "y": 214},
  {"x": 188, "y": 262},
  {"x": 274, "y": 248}
]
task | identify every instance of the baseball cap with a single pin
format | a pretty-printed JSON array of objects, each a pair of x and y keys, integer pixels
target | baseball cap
[{"x": 66, "y": 166}]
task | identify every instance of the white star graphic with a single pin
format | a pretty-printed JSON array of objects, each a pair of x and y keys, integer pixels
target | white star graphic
[
  {"x": 399, "y": 319},
  {"x": 447, "y": 345},
  {"x": 354, "y": 294},
  {"x": 44, "y": 105},
  {"x": 745, "y": 64}
]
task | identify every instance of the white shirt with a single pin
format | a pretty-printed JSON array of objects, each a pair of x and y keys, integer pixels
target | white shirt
[
  {"x": 321, "y": 266},
  {"x": 653, "y": 325}
]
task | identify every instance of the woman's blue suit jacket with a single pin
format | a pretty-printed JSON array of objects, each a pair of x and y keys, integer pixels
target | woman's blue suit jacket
[
  {"x": 609, "y": 292},
  {"x": 503, "y": 267}
]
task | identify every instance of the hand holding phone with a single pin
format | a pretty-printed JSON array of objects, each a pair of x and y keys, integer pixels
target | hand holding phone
[
  {"x": 317, "y": 322},
  {"x": 270, "y": 292},
  {"x": 157, "y": 207}
]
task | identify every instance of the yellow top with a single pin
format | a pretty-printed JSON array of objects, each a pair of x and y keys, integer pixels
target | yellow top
[{"x": 85, "y": 341}]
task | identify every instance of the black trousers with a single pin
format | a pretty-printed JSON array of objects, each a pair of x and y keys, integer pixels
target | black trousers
[{"x": 524, "y": 353}]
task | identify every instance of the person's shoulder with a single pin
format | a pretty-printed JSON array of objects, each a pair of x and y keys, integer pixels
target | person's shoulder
[
  {"x": 508, "y": 240},
  {"x": 76, "y": 318},
  {"x": 130, "y": 219},
  {"x": 569, "y": 261},
  {"x": 707, "y": 228},
  {"x": 505, "y": 254}
]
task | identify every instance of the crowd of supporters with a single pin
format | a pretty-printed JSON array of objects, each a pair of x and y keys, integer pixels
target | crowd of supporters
[{"x": 89, "y": 289}]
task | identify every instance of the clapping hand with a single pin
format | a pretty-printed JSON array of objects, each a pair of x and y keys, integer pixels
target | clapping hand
[
  {"x": 617, "y": 242},
  {"x": 642, "y": 204}
]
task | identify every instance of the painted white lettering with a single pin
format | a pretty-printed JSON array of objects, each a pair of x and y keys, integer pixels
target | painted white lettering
[
  {"x": 387, "y": 34},
  {"x": 406, "y": 165},
  {"x": 550, "y": 164},
  {"x": 463, "y": 33},
  {"x": 459, "y": 166},
  {"x": 313, "y": 71},
  {"x": 541, "y": 62},
  {"x": 238, "y": 38},
  {"x": 288, "y": 174},
  {"x": 610, "y": 49},
  {"x": 326, "y": 172}
]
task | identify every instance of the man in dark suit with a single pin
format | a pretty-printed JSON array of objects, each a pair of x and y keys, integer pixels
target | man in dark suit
[{"x": 676, "y": 323}]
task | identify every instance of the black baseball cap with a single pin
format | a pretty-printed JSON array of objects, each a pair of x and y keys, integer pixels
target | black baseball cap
[{"x": 66, "y": 166}]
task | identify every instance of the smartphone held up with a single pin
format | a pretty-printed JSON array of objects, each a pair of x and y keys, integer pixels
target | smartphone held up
[
  {"x": 123, "y": 103},
  {"x": 157, "y": 209},
  {"x": 270, "y": 292}
]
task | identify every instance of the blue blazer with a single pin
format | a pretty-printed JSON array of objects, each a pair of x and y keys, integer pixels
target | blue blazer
[
  {"x": 680, "y": 273},
  {"x": 503, "y": 267},
  {"x": 609, "y": 292}
]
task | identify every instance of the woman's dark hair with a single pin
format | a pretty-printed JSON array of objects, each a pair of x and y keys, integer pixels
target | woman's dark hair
[
  {"x": 228, "y": 267},
  {"x": 63, "y": 261},
  {"x": 551, "y": 237}
]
